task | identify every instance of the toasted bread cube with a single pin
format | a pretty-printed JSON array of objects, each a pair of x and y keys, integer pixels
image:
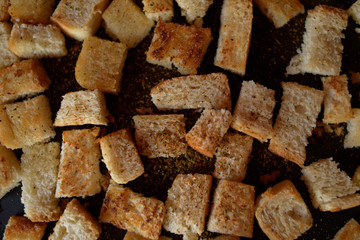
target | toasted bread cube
[
  {"x": 352, "y": 138},
  {"x": 7, "y": 56},
  {"x": 76, "y": 223},
  {"x": 79, "y": 19},
  {"x": 39, "y": 169},
  {"x": 254, "y": 110},
  {"x": 351, "y": 231},
  {"x": 155, "y": 9},
  {"x": 79, "y": 172},
  {"x": 26, "y": 123},
  {"x": 4, "y": 13},
  {"x": 232, "y": 157},
  {"x": 187, "y": 204},
  {"x": 20, "y": 227},
  {"x": 356, "y": 177},
  {"x": 354, "y": 11},
  {"x": 82, "y": 107},
  {"x": 121, "y": 156},
  {"x": 208, "y": 131},
  {"x": 10, "y": 171},
  {"x": 37, "y": 41},
  {"x": 125, "y": 21},
  {"x": 100, "y": 65},
  {"x": 128, "y": 210},
  {"x": 233, "y": 209},
  {"x": 23, "y": 79},
  {"x": 282, "y": 213},
  {"x": 184, "y": 46},
  {"x": 160, "y": 135},
  {"x": 31, "y": 11},
  {"x": 194, "y": 10}
]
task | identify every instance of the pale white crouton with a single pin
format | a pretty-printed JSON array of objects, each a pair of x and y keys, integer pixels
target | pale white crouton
[
  {"x": 194, "y": 10},
  {"x": 155, "y": 9},
  {"x": 352, "y": 138}
]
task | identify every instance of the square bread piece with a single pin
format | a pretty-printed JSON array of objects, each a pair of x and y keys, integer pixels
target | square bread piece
[
  {"x": 31, "y": 11},
  {"x": 187, "y": 204},
  {"x": 79, "y": 19},
  {"x": 191, "y": 92},
  {"x": 208, "y": 131},
  {"x": 194, "y": 10},
  {"x": 352, "y": 138},
  {"x": 22, "y": 79},
  {"x": 7, "y": 56},
  {"x": 232, "y": 211},
  {"x": 282, "y": 213},
  {"x": 351, "y": 231},
  {"x": 26, "y": 123},
  {"x": 280, "y": 12},
  {"x": 99, "y": 65},
  {"x": 76, "y": 223},
  {"x": 39, "y": 169},
  {"x": 233, "y": 156},
  {"x": 254, "y": 111},
  {"x": 21, "y": 228},
  {"x": 321, "y": 51},
  {"x": 125, "y": 21},
  {"x": 4, "y": 13},
  {"x": 37, "y": 41},
  {"x": 82, "y": 107},
  {"x": 299, "y": 110},
  {"x": 234, "y": 37},
  {"x": 160, "y": 135},
  {"x": 10, "y": 170},
  {"x": 128, "y": 210},
  {"x": 79, "y": 172},
  {"x": 155, "y": 9},
  {"x": 330, "y": 188},
  {"x": 121, "y": 156},
  {"x": 183, "y": 47},
  {"x": 337, "y": 99}
]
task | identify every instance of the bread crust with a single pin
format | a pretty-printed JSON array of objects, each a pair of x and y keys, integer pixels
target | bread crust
[{"x": 20, "y": 227}]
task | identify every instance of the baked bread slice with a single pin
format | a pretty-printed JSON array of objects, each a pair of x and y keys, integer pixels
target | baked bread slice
[
  {"x": 354, "y": 12},
  {"x": 299, "y": 110},
  {"x": 76, "y": 223},
  {"x": 321, "y": 51},
  {"x": 282, "y": 213},
  {"x": 254, "y": 111},
  {"x": 4, "y": 13},
  {"x": 233, "y": 156},
  {"x": 232, "y": 211},
  {"x": 39, "y": 169},
  {"x": 7, "y": 56},
  {"x": 155, "y": 9},
  {"x": 208, "y": 131},
  {"x": 160, "y": 135},
  {"x": 10, "y": 170},
  {"x": 194, "y": 10},
  {"x": 31, "y": 11},
  {"x": 184, "y": 46},
  {"x": 234, "y": 37},
  {"x": 187, "y": 204},
  {"x": 131, "y": 211},
  {"x": 37, "y": 41},
  {"x": 79, "y": 19},
  {"x": 352, "y": 138},
  {"x": 351, "y": 231},
  {"x": 20, "y": 227},
  {"x": 194, "y": 91},
  {"x": 356, "y": 176},
  {"x": 99, "y": 65}
]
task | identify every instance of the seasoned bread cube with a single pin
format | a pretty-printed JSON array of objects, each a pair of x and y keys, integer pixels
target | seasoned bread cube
[
  {"x": 125, "y": 21},
  {"x": 7, "y": 56},
  {"x": 234, "y": 37},
  {"x": 296, "y": 119},
  {"x": 76, "y": 223},
  {"x": 79, "y": 19},
  {"x": 39, "y": 169},
  {"x": 160, "y": 135},
  {"x": 131, "y": 211},
  {"x": 121, "y": 156},
  {"x": 208, "y": 131},
  {"x": 4, "y": 13},
  {"x": 282, "y": 213},
  {"x": 82, "y": 107},
  {"x": 356, "y": 177},
  {"x": 351, "y": 231},
  {"x": 31, "y": 11},
  {"x": 254, "y": 110},
  {"x": 187, "y": 204},
  {"x": 352, "y": 138},
  {"x": 37, "y": 41},
  {"x": 26, "y": 123},
  {"x": 354, "y": 12},
  {"x": 330, "y": 188},
  {"x": 21, "y": 228},
  {"x": 184, "y": 46},
  {"x": 10, "y": 171},
  {"x": 321, "y": 49},
  {"x": 232, "y": 157},
  {"x": 280, "y": 12},
  {"x": 26, "y": 78},
  {"x": 194, "y": 10},
  {"x": 134, "y": 236},
  {"x": 194, "y": 91},
  {"x": 232, "y": 211},
  {"x": 99, "y": 65},
  {"x": 155, "y": 9}
]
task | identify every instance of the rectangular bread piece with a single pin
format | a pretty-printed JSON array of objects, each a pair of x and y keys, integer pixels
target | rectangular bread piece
[
  {"x": 351, "y": 231},
  {"x": 31, "y": 11},
  {"x": 21, "y": 228},
  {"x": 155, "y": 9},
  {"x": 352, "y": 138},
  {"x": 4, "y": 13},
  {"x": 194, "y": 10},
  {"x": 10, "y": 170},
  {"x": 7, "y": 56}
]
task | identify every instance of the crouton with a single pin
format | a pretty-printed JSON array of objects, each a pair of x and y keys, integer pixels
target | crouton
[
  {"x": 31, "y": 11},
  {"x": 20, "y": 227},
  {"x": 7, "y": 56},
  {"x": 155, "y": 9},
  {"x": 184, "y": 46},
  {"x": 10, "y": 170},
  {"x": 4, "y": 13},
  {"x": 356, "y": 177},
  {"x": 194, "y": 10},
  {"x": 226, "y": 237},
  {"x": 99, "y": 65},
  {"x": 352, "y": 138},
  {"x": 354, "y": 12},
  {"x": 351, "y": 231}
]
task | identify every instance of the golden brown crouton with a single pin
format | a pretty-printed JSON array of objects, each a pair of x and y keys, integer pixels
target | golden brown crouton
[
  {"x": 31, "y": 11},
  {"x": 10, "y": 170},
  {"x": 21, "y": 228}
]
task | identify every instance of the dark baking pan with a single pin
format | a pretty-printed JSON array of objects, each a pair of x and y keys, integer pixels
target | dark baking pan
[{"x": 270, "y": 52}]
